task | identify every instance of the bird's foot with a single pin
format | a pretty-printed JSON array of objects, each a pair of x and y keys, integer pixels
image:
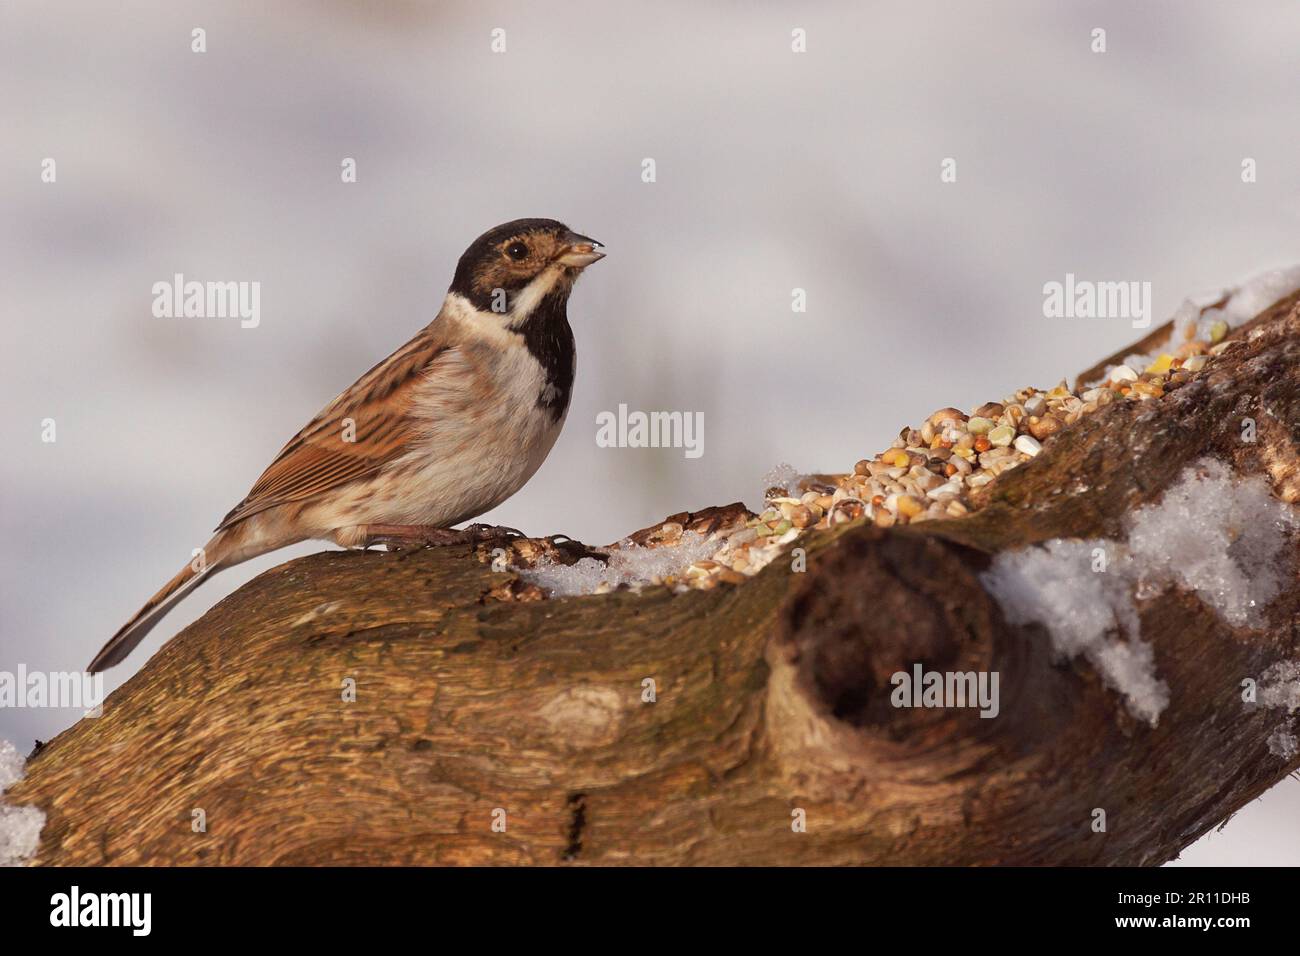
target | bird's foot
[
  {"x": 402, "y": 537},
  {"x": 491, "y": 532}
]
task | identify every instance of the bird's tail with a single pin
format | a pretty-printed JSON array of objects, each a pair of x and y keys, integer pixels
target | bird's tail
[{"x": 211, "y": 560}]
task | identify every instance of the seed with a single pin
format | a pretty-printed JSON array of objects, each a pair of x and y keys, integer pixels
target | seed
[
  {"x": 1035, "y": 405},
  {"x": 930, "y": 480},
  {"x": 801, "y": 516},
  {"x": 1044, "y": 426},
  {"x": 1028, "y": 445},
  {"x": 946, "y": 414},
  {"x": 1161, "y": 364},
  {"x": 862, "y": 468},
  {"x": 1218, "y": 330},
  {"x": 944, "y": 491},
  {"x": 982, "y": 444},
  {"x": 1195, "y": 363},
  {"x": 849, "y": 509},
  {"x": 1122, "y": 373},
  {"x": 989, "y": 410},
  {"x": 909, "y": 506},
  {"x": 884, "y": 519},
  {"x": 979, "y": 425},
  {"x": 949, "y": 469},
  {"x": 1002, "y": 436}
]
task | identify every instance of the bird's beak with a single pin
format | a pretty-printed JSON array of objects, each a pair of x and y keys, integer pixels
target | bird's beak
[{"x": 579, "y": 251}]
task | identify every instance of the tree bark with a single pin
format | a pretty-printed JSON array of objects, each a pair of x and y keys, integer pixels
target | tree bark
[{"x": 478, "y": 703}]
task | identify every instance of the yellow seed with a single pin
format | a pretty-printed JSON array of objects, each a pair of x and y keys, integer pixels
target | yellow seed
[
  {"x": 1161, "y": 364},
  {"x": 909, "y": 507}
]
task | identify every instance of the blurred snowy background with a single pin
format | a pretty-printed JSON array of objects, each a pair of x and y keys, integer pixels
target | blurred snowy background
[{"x": 775, "y": 170}]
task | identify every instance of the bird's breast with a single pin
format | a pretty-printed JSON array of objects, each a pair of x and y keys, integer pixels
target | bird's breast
[{"x": 487, "y": 420}]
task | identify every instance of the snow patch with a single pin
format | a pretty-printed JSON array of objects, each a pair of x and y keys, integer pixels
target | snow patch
[
  {"x": 783, "y": 476},
  {"x": 1220, "y": 537},
  {"x": 1083, "y": 610},
  {"x": 1210, "y": 533},
  {"x": 1282, "y": 743},
  {"x": 1243, "y": 303},
  {"x": 1279, "y": 687},
  {"x": 629, "y": 564},
  {"x": 20, "y": 827}
]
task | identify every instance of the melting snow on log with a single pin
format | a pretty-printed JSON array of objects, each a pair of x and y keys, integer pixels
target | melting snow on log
[
  {"x": 20, "y": 827},
  {"x": 1242, "y": 304},
  {"x": 783, "y": 476},
  {"x": 628, "y": 564},
  {"x": 1218, "y": 536},
  {"x": 1279, "y": 688}
]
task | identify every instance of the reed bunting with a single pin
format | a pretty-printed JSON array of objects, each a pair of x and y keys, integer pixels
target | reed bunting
[{"x": 447, "y": 427}]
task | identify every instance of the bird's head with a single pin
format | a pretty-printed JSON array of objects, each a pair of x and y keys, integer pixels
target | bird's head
[{"x": 514, "y": 267}]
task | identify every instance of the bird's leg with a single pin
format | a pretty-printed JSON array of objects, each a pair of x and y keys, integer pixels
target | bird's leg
[{"x": 403, "y": 537}]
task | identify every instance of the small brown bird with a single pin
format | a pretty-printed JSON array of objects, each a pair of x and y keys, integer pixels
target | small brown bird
[{"x": 447, "y": 427}]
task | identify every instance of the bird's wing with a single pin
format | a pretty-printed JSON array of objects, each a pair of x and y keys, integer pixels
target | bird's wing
[{"x": 320, "y": 458}]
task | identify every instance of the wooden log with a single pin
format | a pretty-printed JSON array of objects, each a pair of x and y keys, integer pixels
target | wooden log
[{"x": 491, "y": 726}]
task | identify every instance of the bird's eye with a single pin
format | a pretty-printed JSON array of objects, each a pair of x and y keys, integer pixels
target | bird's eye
[{"x": 517, "y": 251}]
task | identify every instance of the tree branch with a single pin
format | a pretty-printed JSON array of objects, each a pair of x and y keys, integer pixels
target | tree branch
[{"x": 771, "y": 696}]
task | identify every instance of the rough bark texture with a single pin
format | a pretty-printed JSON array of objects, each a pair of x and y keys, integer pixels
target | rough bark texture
[{"x": 772, "y": 695}]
